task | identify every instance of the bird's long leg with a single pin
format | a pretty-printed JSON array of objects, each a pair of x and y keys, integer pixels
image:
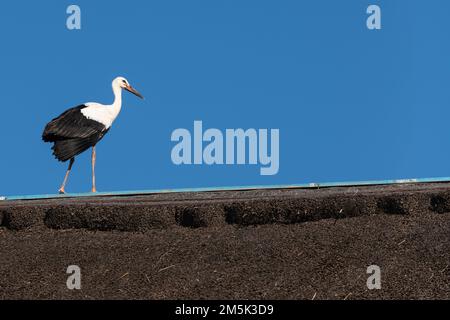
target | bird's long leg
[
  {"x": 61, "y": 190},
  {"x": 94, "y": 156}
]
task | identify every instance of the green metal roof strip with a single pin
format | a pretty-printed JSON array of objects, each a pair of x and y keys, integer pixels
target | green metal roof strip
[{"x": 235, "y": 188}]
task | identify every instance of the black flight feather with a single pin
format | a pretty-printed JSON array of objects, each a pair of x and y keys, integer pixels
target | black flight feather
[{"x": 72, "y": 133}]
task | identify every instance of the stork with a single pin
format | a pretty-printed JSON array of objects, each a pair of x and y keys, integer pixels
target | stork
[{"x": 82, "y": 127}]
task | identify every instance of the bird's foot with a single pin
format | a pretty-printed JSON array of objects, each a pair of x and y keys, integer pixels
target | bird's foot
[
  {"x": 94, "y": 190},
  {"x": 62, "y": 191}
]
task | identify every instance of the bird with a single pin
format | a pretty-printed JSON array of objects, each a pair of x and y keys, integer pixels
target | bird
[{"x": 82, "y": 127}]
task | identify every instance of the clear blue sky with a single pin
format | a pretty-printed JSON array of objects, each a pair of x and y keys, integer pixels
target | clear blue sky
[{"x": 351, "y": 104}]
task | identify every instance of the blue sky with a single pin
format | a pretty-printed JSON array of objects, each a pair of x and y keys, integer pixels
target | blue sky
[{"x": 350, "y": 103}]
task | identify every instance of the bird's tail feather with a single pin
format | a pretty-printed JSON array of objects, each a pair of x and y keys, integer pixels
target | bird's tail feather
[{"x": 64, "y": 150}]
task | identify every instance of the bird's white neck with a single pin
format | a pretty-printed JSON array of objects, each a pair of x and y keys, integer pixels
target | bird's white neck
[
  {"x": 117, "y": 104},
  {"x": 105, "y": 114}
]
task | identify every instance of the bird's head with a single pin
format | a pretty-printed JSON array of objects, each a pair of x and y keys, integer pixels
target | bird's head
[{"x": 123, "y": 83}]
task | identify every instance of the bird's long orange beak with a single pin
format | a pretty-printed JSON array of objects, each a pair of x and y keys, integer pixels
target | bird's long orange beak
[{"x": 134, "y": 91}]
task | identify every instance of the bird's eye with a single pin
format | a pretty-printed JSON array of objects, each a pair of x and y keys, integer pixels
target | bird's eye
[{"x": 124, "y": 81}]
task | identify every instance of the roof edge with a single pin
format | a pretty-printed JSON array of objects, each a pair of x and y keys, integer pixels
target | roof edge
[{"x": 230, "y": 188}]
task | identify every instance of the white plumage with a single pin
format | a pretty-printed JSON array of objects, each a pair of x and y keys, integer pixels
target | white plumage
[
  {"x": 106, "y": 114},
  {"x": 101, "y": 113}
]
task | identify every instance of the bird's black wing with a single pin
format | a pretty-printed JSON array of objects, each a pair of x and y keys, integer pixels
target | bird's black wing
[
  {"x": 72, "y": 124},
  {"x": 64, "y": 150}
]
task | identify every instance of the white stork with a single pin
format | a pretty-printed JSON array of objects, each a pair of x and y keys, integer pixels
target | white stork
[{"x": 81, "y": 127}]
